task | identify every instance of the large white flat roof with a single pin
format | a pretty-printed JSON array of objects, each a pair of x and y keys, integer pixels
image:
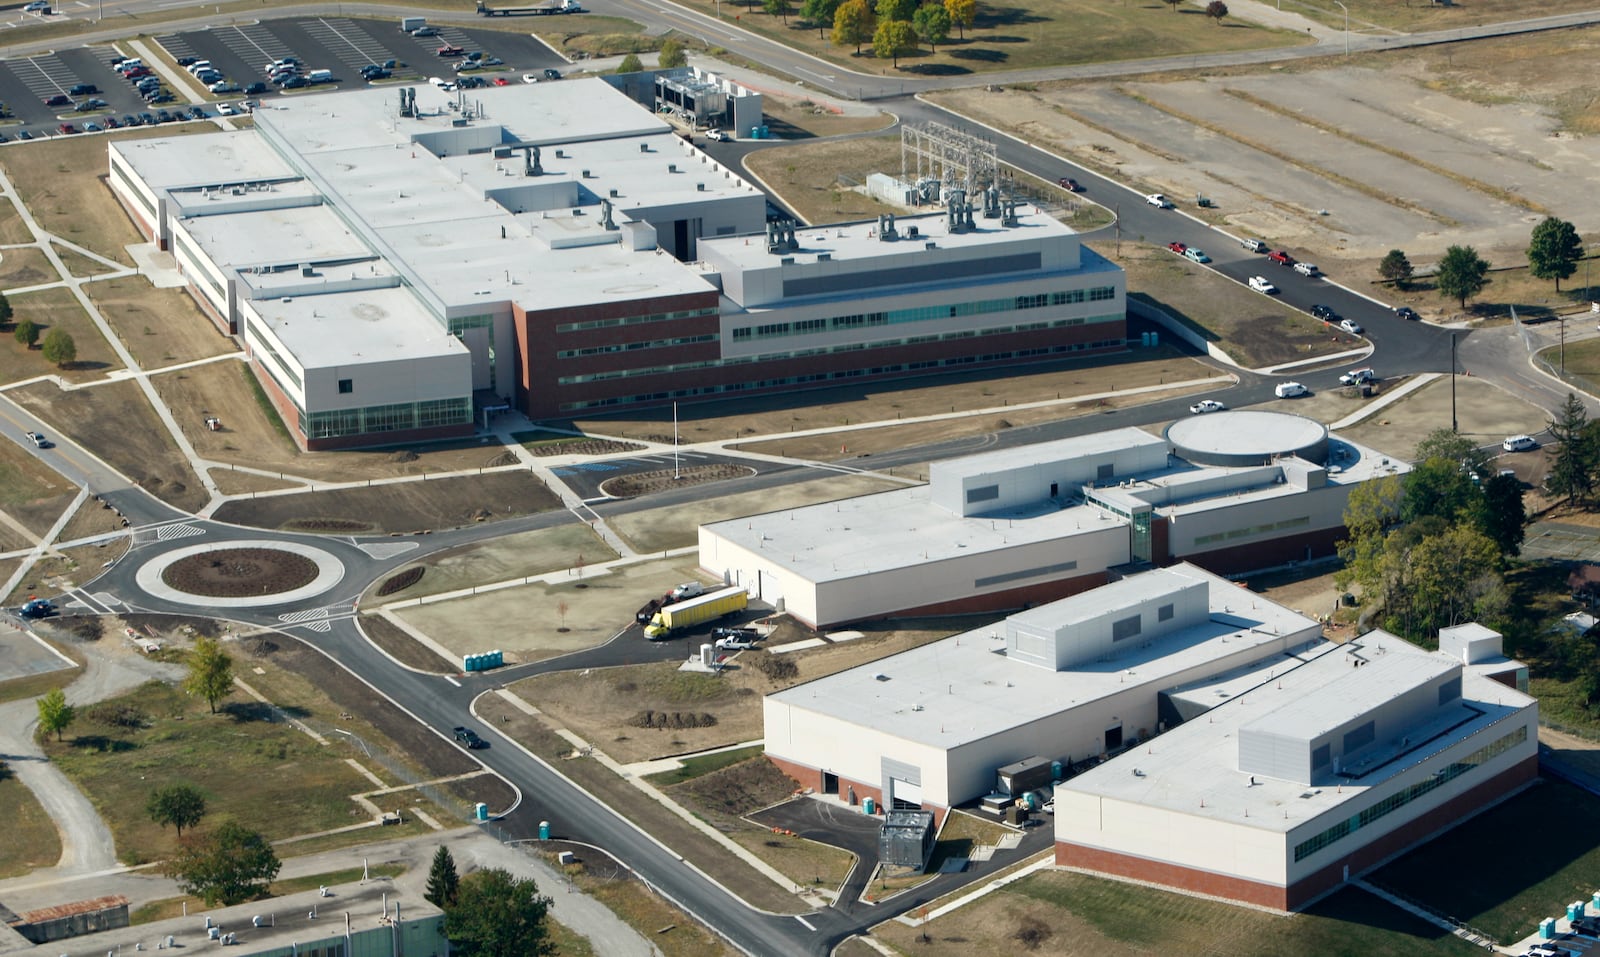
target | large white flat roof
[
  {"x": 1199, "y": 759},
  {"x": 1058, "y": 450},
  {"x": 964, "y": 689},
  {"x": 901, "y": 528},
  {"x": 204, "y": 159},
  {"x": 298, "y": 234},
  {"x": 373, "y": 325}
]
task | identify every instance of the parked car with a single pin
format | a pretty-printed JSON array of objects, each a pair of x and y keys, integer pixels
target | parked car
[
  {"x": 24, "y": 135},
  {"x": 1178, "y": 248},
  {"x": 1260, "y": 284},
  {"x": 1196, "y": 254},
  {"x": 1407, "y": 313},
  {"x": 91, "y": 127},
  {"x": 37, "y": 6},
  {"x": 67, "y": 129},
  {"x": 1253, "y": 245},
  {"x": 735, "y": 643},
  {"x": 59, "y": 99},
  {"x": 295, "y": 83},
  {"x": 1069, "y": 184},
  {"x": 1281, "y": 257},
  {"x": 1206, "y": 405},
  {"x": 470, "y": 738},
  {"x": 1158, "y": 200},
  {"x": 198, "y": 112},
  {"x": 83, "y": 89},
  {"x": 1307, "y": 269},
  {"x": 112, "y": 123},
  {"x": 255, "y": 89},
  {"x": 1358, "y": 376},
  {"x": 38, "y": 439},
  {"x": 1290, "y": 390},
  {"x": 448, "y": 51},
  {"x": 147, "y": 119},
  {"x": 425, "y": 32},
  {"x": 36, "y": 608},
  {"x": 1519, "y": 443},
  {"x": 225, "y": 109},
  {"x": 686, "y": 590},
  {"x": 551, "y": 74},
  {"x": 501, "y": 81},
  {"x": 1325, "y": 313},
  {"x": 1351, "y": 326}
]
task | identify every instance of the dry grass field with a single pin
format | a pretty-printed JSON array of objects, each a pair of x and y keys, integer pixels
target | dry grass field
[
  {"x": 158, "y": 326},
  {"x": 502, "y": 559},
  {"x": 399, "y": 507},
  {"x": 55, "y": 309},
  {"x": 31, "y": 493},
  {"x": 25, "y": 266},
  {"x": 812, "y": 178},
  {"x": 116, "y": 423}
]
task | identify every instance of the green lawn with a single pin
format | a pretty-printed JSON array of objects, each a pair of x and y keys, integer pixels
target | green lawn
[
  {"x": 704, "y": 764},
  {"x": 265, "y": 775},
  {"x": 1495, "y": 872},
  {"x": 1043, "y": 34},
  {"x": 31, "y": 839}
]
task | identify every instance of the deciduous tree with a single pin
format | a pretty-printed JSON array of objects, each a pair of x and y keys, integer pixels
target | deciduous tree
[
  {"x": 227, "y": 866},
  {"x": 671, "y": 55},
  {"x": 962, "y": 14},
  {"x": 26, "y": 333},
  {"x": 1452, "y": 446},
  {"x": 54, "y": 712},
  {"x": 852, "y": 24},
  {"x": 630, "y": 64},
  {"x": 443, "y": 881},
  {"x": 892, "y": 39},
  {"x": 1396, "y": 268},
  {"x": 1174, "y": 4},
  {"x": 777, "y": 8},
  {"x": 932, "y": 23},
  {"x": 58, "y": 347},
  {"x": 819, "y": 12},
  {"x": 1371, "y": 512},
  {"x": 497, "y": 915},
  {"x": 895, "y": 10},
  {"x": 180, "y": 805},
  {"x": 5, "y": 309},
  {"x": 1554, "y": 250},
  {"x": 1216, "y": 10},
  {"x": 1462, "y": 274},
  {"x": 210, "y": 672},
  {"x": 1504, "y": 518}
]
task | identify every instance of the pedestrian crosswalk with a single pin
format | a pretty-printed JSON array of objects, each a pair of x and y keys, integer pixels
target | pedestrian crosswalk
[{"x": 171, "y": 533}]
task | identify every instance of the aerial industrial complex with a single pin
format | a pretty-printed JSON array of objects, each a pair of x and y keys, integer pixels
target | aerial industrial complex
[
  {"x": 1232, "y": 492},
  {"x": 396, "y": 261}
]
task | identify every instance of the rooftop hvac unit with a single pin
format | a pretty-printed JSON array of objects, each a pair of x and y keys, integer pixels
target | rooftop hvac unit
[
  {"x": 585, "y": 174},
  {"x": 700, "y": 187},
  {"x": 672, "y": 167},
  {"x": 930, "y": 244},
  {"x": 613, "y": 194},
  {"x": 502, "y": 152},
  {"x": 644, "y": 147},
  {"x": 824, "y": 257},
  {"x": 561, "y": 153},
  {"x": 786, "y": 261}
]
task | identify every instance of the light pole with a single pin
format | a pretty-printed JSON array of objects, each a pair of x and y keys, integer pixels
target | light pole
[{"x": 1346, "y": 27}]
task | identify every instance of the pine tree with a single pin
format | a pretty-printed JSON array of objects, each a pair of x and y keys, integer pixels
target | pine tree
[{"x": 443, "y": 881}]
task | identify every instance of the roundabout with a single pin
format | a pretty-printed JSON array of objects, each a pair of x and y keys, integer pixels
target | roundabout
[{"x": 240, "y": 574}]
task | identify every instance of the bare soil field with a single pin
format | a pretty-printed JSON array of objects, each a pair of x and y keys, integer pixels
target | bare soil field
[
  {"x": 93, "y": 518},
  {"x": 231, "y": 482},
  {"x": 251, "y": 433},
  {"x": 13, "y": 231},
  {"x": 526, "y": 623},
  {"x": 774, "y": 415},
  {"x": 116, "y": 423},
  {"x": 502, "y": 559},
  {"x": 677, "y": 526},
  {"x": 604, "y": 707},
  {"x": 61, "y": 181},
  {"x": 1484, "y": 412},
  {"x": 159, "y": 326},
  {"x": 55, "y": 309},
  {"x": 1468, "y": 143},
  {"x": 25, "y": 266},
  {"x": 398, "y": 507},
  {"x": 404, "y": 648},
  {"x": 1417, "y": 17},
  {"x": 240, "y": 572},
  {"x": 788, "y": 118}
]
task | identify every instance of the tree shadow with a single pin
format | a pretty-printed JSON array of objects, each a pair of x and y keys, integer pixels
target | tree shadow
[
  {"x": 981, "y": 55},
  {"x": 938, "y": 69},
  {"x": 1005, "y": 38},
  {"x": 102, "y": 744},
  {"x": 78, "y": 365},
  {"x": 783, "y": 130},
  {"x": 991, "y": 17}
]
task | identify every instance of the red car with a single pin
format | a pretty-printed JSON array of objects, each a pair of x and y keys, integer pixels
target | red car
[
  {"x": 501, "y": 81},
  {"x": 448, "y": 50},
  {"x": 1178, "y": 248},
  {"x": 67, "y": 128},
  {"x": 1069, "y": 184},
  {"x": 1281, "y": 258}
]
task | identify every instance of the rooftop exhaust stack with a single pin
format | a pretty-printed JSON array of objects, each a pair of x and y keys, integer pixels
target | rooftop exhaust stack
[
  {"x": 886, "y": 231},
  {"x": 1010, "y": 217},
  {"x": 991, "y": 202},
  {"x": 780, "y": 237},
  {"x": 530, "y": 162},
  {"x": 605, "y": 215}
]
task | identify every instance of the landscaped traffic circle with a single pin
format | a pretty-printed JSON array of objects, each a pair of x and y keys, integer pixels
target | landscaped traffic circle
[{"x": 241, "y": 574}]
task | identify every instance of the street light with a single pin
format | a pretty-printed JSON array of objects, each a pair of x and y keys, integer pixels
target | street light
[{"x": 1346, "y": 27}]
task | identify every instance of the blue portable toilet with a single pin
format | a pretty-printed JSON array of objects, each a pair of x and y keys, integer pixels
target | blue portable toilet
[
  {"x": 1056, "y": 770},
  {"x": 1547, "y": 928},
  {"x": 1596, "y": 901},
  {"x": 1573, "y": 911},
  {"x": 1155, "y": 338},
  {"x": 869, "y": 806},
  {"x": 544, "y": 830},
  {"x": 481, "y": 811}
]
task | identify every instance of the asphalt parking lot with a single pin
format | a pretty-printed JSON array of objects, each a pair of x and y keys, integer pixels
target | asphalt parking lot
[
  {"x": 340, "y": 45},
  {"x": 344, "y": 46}
]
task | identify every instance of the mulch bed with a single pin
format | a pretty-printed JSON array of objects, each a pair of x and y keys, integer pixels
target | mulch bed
[
  {"x": 240, "y": 572},
  {"x": 644, "y": 483}
]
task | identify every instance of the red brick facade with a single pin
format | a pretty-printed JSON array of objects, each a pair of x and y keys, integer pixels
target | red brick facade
[
  {"x": 1267, "y": 554},
  {"x": 1024, "y": 596},
  {"x": 1360, "y": 857},
  {"x": 291, "y": 418},
  {"x": 812, "y": 778}
]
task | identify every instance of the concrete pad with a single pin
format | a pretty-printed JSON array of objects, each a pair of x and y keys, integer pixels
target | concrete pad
[{"x": 23, "y": 653}]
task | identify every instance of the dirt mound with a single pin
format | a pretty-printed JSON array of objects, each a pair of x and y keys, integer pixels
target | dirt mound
[
  {"x": 326, "y": 525},
  {"x": 737, "y": 789},
  {"x": 644, "y": 483},
  {"x": 673, "y": 720},
  {"x": 404, "y": 455}
]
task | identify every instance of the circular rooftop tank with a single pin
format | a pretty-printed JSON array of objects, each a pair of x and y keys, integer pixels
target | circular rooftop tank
[{"x": 1247, "y": 438}]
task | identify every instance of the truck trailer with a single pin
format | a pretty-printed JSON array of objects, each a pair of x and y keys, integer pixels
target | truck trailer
[
  {"x": 686, "y": 614},
  {"x": 538, "y": 9},
  {"x": 408, "y": 24}
]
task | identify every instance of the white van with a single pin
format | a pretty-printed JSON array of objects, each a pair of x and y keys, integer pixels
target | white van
[
  {"x": 197, "y": 66},
  {"x": 1290, "y": 390},
  {"x": 319, "y": 76}
]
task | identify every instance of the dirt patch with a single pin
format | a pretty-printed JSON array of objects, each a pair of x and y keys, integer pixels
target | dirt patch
[
  {"x": 791, "y": 119},
  {"x": 240, "y": 572},
  {"x": 116, "y": 423},
  {"x": 543, "y": 443},
  {"x": 232, "y": 482},
  {"x": 817, "y": 180},
  {"x": 727, "y": 794},
  {"x": 402, "y": 507},
  {"x": 404, "y": 648},
  {"x": 645, "y": 483},
  {"x": 1484, "y": 413},
  {"x": 158, "y": 326},
  {"x": 521, "y": 555},
  {"x": 401, "y": 581},
  {"x": 31, "y": 493},
  {"x": 25, "y": 267}
]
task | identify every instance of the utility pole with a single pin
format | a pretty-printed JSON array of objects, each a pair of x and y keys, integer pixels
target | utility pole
[
  {"x": 1454, "y": 426},
  {"x": 1346, "y": 27}
]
